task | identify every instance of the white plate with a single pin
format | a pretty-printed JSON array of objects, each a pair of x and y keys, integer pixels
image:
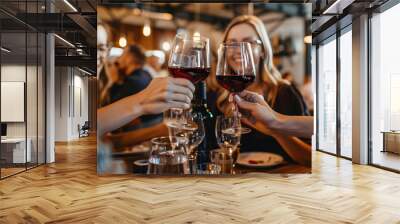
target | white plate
[
  {"x": 259, "y": 159},
  {"x": 137, "y": 149}
]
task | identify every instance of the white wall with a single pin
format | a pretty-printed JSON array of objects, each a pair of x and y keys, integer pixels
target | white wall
[
  {"x": 33, "y": 127},
  {"x": 71, "y": 94},
  {"x": 13, "y": 73}
]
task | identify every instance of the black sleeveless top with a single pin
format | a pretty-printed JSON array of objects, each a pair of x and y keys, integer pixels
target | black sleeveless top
[{"x": 288, "y": 101}]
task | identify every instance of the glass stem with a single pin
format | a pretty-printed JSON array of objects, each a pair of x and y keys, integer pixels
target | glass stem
[
  {"x": 192, "y": 164},
  {"x": 235, "y": 106}
]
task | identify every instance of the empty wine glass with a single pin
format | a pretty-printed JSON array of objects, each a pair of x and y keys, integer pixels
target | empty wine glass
[
  {"x": 187, "y": 128},
  {"x": 235, "y": 69},
  {"x": 177, "y": 123},
  {"x": 195, "y": 135},
  {"x": 165, "y": 159},
  {"x": 228, "y": 131},
  {"x": 221, "y": 162}
]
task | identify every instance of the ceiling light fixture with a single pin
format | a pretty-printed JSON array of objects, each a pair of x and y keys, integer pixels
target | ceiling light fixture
[
  {"x": 5, "y": 50},
  {"x": 116, "y": 52},
  {"x": 122, "y": 42},
  {"x": 196, "y": 36},
  {"x": 166, "y": 46},
  {"x": 70, "y": 5},
  {"x": 64, "y": 40},
  {"x": 146, "y": 30},
  {"x": 337, "y": 7},
  {"x": 308, "y": 39},
  {"x": 84, "y": 71}
]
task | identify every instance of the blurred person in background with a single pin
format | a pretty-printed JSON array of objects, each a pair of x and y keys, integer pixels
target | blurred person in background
[
  {"x": 129, "y": 74},
  {"x": 126, "y": 76},
  {"x": 277, "y": 92},
  {"x": 158, "y": 96},
  {"x": 154, "y": 64}
]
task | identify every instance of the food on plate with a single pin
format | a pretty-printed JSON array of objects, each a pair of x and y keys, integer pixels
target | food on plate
[{"x": 255, "y": 161}]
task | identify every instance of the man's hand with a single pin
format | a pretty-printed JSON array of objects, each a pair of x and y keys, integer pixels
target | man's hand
[{"x": 166, "y": 93}]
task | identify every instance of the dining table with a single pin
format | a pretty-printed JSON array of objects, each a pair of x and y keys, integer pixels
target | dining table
[{"x": 135, "y": 161}]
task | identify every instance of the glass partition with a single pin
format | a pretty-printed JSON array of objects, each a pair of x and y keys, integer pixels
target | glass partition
[
  {"x": 15, "y": 151},
  {"x": 22, "y": 89},
  {"x": 346, "y": 93},
  {"x": 385, "y": 89},
  {"x": 326, "y": 116}
]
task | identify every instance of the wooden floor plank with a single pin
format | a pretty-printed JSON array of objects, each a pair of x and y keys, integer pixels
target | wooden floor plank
[{"x": 69, "y": 191}]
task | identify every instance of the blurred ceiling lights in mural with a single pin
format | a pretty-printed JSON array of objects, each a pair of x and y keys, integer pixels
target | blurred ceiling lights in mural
[
  {"x": 116, "y": 52},
  {"x": 122, "y": 42},
  {"x": 166, "y": 46},
  {"x": 70, "y": 5},
  {"x": 156, "y": 53},
  {"x": 146, "y": 30},
  {"x": 101, "y": 34}
]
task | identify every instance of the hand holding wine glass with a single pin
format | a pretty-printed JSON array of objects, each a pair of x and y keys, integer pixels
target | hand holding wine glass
[
  {"x": 190, "y": 60},
  {"x": 258, "y": 114},
  {"x": 235, "y": 69}
]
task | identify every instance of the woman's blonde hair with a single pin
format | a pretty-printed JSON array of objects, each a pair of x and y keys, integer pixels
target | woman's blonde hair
[{"x": 269, "y": 75}]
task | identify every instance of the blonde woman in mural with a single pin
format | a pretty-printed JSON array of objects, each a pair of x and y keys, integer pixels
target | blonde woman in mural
[{"x": 282, "y": 97}]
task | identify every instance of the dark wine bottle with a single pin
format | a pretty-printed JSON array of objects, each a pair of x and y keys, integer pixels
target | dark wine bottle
[{"x": 199, "y": 108}]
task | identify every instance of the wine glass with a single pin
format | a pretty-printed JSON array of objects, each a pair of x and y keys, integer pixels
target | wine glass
[
  {"x": 190, "y": 58},
  {"x": 195, "y": 135},
  {"x": 185, "y": 128},
  {"x": 228, "y": 131},
  {"x": 235, "y": 69},
  {"x": 165, "y": 159},
  {"x": 177, "y": 123},
  {"x": 221, "y": 162}
]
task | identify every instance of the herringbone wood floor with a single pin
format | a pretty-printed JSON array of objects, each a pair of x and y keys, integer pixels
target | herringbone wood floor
[{"x": 69, "y": 191}]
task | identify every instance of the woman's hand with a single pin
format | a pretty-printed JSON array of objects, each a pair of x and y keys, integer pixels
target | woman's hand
[
  {"x": 166, "y": 93},
  {"x": 256, "y": 112}
]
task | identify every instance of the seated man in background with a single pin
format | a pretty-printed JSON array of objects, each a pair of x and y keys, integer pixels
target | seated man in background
[
  {"x": 154, "y": 63},
  {"x": 126, "y": 77}
]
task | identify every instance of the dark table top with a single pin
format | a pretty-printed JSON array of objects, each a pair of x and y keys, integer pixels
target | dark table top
[{"x": 130, "y": 155}]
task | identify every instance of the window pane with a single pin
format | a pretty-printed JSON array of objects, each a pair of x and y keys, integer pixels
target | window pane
[
  {"x": 327, "y": 97},
  {"x": 385, "y": 84},
  {"x": 14, "y": 150},
  {"x": 345, "y": 94},
  {"x": 31, "y": 97},
  {"x": 41, "y": 99}
]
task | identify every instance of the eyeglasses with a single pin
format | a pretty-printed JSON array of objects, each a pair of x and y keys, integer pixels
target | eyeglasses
[{"x": 253, "y": 43}]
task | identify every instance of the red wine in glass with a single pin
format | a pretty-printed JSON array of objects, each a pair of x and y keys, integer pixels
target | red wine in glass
[
  {"x": 235, "y": 83},
  {"x": 194, "y": 75}
]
